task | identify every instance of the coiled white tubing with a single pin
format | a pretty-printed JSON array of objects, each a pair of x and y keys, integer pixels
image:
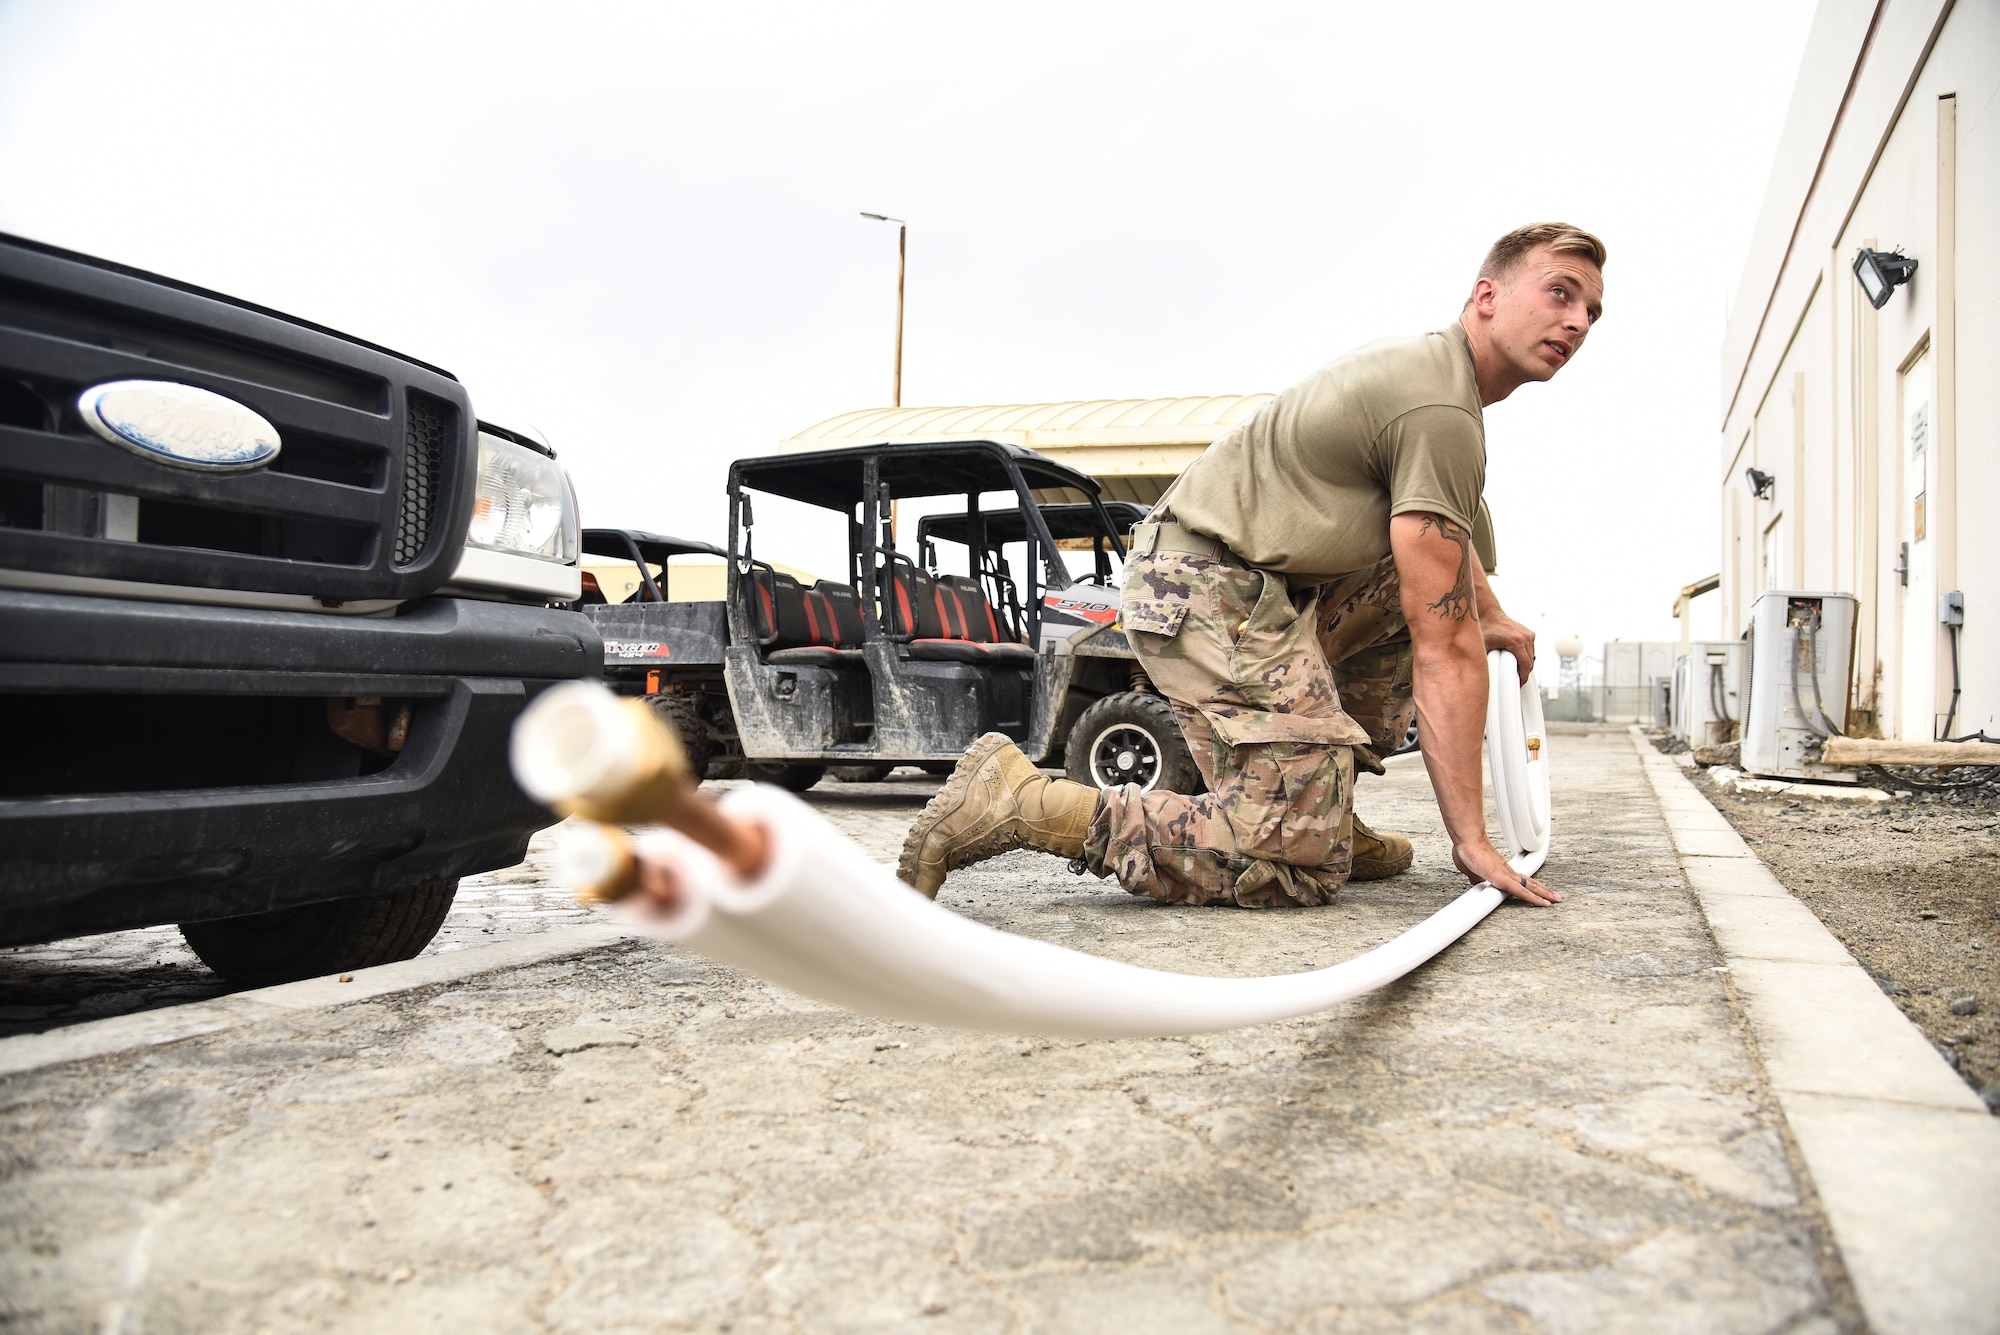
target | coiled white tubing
[
  {"x": 1520, "y": 790},
  {"x": 827, "y": 921}
]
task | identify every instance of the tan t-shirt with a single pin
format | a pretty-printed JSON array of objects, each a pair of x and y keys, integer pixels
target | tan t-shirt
[{"x": 1307, "y": 486}]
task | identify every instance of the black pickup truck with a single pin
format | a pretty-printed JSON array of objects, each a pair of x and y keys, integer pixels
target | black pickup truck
[{"x": 270, "y": 600}]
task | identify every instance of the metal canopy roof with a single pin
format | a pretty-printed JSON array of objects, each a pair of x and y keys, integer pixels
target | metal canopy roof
[
  {"x": 832, "y": 478},
  {"x": 1135, "y": 447}
]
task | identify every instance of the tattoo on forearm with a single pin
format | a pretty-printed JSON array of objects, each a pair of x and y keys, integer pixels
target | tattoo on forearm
[{"x": 1461, "y": 600}]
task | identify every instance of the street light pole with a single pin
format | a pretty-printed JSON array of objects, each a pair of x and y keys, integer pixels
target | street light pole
[{"x": 902, "y": 261}]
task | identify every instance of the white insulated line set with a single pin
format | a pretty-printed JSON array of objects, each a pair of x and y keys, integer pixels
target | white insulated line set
[{"x": 824, "y": 919}]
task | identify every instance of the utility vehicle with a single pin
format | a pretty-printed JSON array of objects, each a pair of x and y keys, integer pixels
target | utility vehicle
[{"x": 909, "y": 657}]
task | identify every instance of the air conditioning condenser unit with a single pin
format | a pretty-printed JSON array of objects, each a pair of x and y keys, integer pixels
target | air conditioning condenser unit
[
  {"x": 1708, "y": 693},
  {"x": 1800, "y": 656}
]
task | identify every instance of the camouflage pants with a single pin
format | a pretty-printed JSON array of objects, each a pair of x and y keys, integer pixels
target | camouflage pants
[{"x": 1280, "y": 695}]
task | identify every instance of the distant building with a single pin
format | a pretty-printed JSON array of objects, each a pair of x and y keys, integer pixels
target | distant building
[
  {"x": 1633, "y": 685},
  {"x": 1875, "y": 433},
  {"x": 1135, "y": 447}
]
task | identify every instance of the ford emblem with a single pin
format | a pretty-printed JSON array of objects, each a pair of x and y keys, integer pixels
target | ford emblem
[{"x": 179, "y": 425}]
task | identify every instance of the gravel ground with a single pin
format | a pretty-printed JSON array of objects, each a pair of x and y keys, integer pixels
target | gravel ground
[{"x": 1912, "y": 888}]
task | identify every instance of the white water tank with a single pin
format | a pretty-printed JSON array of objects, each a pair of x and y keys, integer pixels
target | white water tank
[
  {"x": 1799, "y": 641},
  {"x": 1708, "y": 692}
]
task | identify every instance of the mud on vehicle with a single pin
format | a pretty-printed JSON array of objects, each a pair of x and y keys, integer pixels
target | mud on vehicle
[{"x": 910, "y": 657}]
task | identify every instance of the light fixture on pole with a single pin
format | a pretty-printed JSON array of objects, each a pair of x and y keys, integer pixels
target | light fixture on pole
[
  {"x": 1881, "y": 272},
  {"x": 902, "y": 254}
]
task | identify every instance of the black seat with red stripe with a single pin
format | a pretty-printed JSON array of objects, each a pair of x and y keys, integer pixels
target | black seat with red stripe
[
  {"x": 979, "y": 625},
  {"x": 909, "y": 602},
  {"x": 839, "y": 609},
  {"x": 799, "y": 626},
  {"x": 947, "y": 619}
]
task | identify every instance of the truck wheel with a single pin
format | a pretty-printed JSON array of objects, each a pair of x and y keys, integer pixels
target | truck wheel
[
  {"x": 941, "y": 768},
  {"x": 683, "y": 715},
  {"x": 792, "y": 778},
  {"x": 285, "y": 945},
  {"x": 873, "y": 772},
  {"x": 1131, "y": 737}
]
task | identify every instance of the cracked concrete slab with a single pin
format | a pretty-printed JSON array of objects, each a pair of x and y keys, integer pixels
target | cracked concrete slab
[{"x": 1559, "y": 1125}]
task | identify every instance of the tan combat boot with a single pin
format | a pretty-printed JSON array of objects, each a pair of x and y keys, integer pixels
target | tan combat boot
[
  {"x": 1377, "y": 856},
  {"x": 995, "y": 800}
]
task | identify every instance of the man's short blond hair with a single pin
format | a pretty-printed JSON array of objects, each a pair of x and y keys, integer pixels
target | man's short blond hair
[{"x": 1561, "y": 239}]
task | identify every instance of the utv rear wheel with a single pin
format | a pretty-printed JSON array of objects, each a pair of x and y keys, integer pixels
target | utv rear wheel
[
  {"x": 1131, "y": 737},
  {"x": 285, "y": 945},
  {"x": 792, "y": 778},
  {"x": 683, "y": 715},
  {"x": 873, "y": 772}
]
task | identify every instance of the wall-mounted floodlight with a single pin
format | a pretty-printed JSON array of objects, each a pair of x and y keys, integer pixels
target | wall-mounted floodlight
[
  {"x": 1881, "y": 272},
  {"x": 1760, "y": 483}
]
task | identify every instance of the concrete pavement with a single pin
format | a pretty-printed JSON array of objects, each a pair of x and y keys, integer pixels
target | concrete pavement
[{"x": 1560, "y": 1125}]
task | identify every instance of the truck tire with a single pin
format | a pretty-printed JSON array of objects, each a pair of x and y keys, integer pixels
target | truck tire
[
  {"x": 285, "y": 945},
  {"x": 792, "y": 778},
  {"x": 941, "y": 768},
  {"x": 683, "y": 715},
  {"x": 872, "y": 772},
  {"x": 1131, "y": 737}
]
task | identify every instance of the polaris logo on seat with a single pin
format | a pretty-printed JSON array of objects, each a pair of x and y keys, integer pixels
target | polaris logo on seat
[{"x": 179, "y": 425}]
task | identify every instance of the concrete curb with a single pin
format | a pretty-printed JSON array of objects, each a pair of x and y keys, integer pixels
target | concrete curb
[
  {"x": 121, "y": 1033},
  {"x": 1905, "y": 1157}
]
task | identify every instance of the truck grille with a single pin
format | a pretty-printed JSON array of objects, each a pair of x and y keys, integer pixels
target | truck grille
[
  {"x": 426, "y": 441},
  {"x": 368, "y": 498}
]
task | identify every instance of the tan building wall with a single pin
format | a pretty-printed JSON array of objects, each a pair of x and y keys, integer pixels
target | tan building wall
[
  {"x": 691, "y": 579},
  {"x": 1881, "y": 428}
]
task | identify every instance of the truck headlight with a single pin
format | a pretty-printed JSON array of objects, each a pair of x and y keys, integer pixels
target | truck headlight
[{"x": 523, "y": 504}]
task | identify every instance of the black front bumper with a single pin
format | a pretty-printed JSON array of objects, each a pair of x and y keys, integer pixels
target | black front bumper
[{"x": 75, "y": 862}]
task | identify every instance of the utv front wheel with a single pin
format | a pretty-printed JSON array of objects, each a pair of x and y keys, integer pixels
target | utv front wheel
[
  {"x": 1132, "y": 737},
  {"x": 792, "y": 778},
  {"x": 285, "y": 945},
  {"x": 873, "y": 771}
]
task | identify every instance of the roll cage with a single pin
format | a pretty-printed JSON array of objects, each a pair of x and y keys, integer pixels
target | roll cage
[
  {"x": 1073, "y": 526},
  {"x": 645, "y": 550},
  {"x": 865, "y": 481}
]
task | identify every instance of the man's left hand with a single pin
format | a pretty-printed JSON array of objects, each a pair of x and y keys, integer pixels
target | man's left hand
[{"x": 1501, "y": 631}]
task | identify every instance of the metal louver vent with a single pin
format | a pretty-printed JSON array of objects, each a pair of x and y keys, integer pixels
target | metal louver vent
[{"x": 426, "y": 438}]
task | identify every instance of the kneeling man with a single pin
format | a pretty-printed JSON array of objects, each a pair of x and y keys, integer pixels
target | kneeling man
[{"x": 1306, "y": 583}]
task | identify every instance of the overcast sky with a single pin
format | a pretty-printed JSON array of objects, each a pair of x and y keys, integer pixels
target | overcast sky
[{"x": 635, "y": 227}]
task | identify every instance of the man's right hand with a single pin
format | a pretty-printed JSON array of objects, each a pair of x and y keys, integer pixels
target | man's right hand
[
  {"x": 1482, "y": 862},
  {"x": 1439, "y": 578}
]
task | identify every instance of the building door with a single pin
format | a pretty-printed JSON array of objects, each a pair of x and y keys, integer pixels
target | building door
[{"x": 1917, "y": 662}]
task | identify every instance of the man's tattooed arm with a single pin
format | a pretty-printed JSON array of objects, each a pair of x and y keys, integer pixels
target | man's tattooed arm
[{"x": 1461, "y": 600}]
